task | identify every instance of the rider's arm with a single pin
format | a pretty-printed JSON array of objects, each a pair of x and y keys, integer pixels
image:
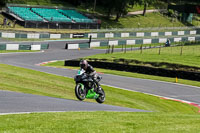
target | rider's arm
[{"x": 92, "y": 71}]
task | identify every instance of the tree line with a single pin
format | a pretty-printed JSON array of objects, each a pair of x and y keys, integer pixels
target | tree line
[
  {"x": 120, "y": 7},
  {"x": 116, "y": 7}
]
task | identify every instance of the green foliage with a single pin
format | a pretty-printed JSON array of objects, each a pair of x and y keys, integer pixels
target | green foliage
[
  {"x": 149, "y": 20},
  {"x": 190, "y": 56}
]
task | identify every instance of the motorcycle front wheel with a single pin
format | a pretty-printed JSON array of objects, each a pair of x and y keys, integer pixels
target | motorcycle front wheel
[
  {"x": 102, "y": 97},
  {"x": 80, "y": 91}
]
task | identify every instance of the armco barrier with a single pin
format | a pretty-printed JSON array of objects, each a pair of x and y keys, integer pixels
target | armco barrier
[
  {"x": 5, "y": 34},
  {"x": 15, "y": 46},
  {"x": 3, "y": 47},
  {"x": 132, "y": 42},
  {"x": 140, "y": 69}
]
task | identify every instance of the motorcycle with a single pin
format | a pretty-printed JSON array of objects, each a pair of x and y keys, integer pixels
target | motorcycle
[{"x": 87, "y": 88}]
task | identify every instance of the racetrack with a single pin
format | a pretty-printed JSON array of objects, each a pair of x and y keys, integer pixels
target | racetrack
[
  {"x": 24, "y": 103},
  {"x": 57, "y": 52}
]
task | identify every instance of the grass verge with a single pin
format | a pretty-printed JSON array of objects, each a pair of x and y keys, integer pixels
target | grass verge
[
  {"x": 134, "y": 21},
  {"x": 168, "y": 116},
  {"x": 34, "y": 82},
  {"x": 181, "y": 55},
  {"x": 139, "y": 21},
  {"x": 109, "y": 122},
  {"x": 131, "y": 46},
  {"x": 60, "y": 64}
]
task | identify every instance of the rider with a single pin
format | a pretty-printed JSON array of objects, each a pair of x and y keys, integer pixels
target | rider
[{"x": 90, "y": 71}]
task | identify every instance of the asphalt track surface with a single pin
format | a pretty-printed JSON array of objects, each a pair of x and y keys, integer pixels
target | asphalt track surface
[
  {"x": 57, "y": 52},
  {"x": 12, "y": 102}
]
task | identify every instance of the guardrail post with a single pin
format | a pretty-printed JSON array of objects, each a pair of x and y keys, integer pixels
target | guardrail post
[
  {"x": 141, "y": 48},
  {"x": 159, "y": 50},
  {"x": 112, "y": 49},
  {"x": 125, "y": 49},
  {"x": 90, "y": 39}
]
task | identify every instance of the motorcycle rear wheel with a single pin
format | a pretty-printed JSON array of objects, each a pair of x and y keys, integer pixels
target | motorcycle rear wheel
[
  {"x": 80, "y": 91},
  {"x": 102, "y": 97}
]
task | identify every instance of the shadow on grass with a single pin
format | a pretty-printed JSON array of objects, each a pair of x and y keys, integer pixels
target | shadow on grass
[
  {"x": 187, "y": 24},
  {"x": 110, "y": 23}
]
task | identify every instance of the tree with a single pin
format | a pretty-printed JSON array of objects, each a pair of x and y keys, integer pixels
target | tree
[
  {"x": 95, "y": 2},
  {"x": 108, "y": 6},
  {"x": 146, "y": 3},
  {"x": 3, "y": 2},
  {"x": 121, "y": 7}
]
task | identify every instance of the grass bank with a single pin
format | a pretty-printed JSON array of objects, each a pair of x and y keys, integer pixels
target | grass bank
[
  {"x": 168, "y": 116},
  {"x": 132, "y": 46},
  {"x": 134, "y": 21},
  {"x": 139, "y": 21},
  {"x": 34, "y": 82},
  {"x": 60, "y": 64},
  {"x": 187, "y": 55},
  {"x": 109, "y": 122}
]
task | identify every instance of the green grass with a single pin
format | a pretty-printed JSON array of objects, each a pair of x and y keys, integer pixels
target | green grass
[
  {"x": 60, "y": 64},
  {"x": 7, "y": 27},
  {"x": 139, "y": 8},
  {"x": 34, "y": 82},
  {"x": 129, "y": 46},
  {"x": 168, "y": 116},
  {"x": 107, "y": 122},
  {"x": 190, "y": 55},
  {"x": 150, "y": 20}
]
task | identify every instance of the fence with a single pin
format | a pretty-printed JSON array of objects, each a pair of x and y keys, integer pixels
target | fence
[
  {"x": 131, "y": 42},
  {"x": 25, "y": 46},
  {"x": 146, "y": 29},
  {"x": 107, "y": 35}
]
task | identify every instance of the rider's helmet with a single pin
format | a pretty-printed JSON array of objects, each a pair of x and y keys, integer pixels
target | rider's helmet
[{"x": 83, "y": 64}]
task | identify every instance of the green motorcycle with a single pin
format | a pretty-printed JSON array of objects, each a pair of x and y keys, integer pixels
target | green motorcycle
[{"x": 87, "y": 88}]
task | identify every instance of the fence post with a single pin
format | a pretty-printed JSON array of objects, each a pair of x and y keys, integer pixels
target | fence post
[
  {"x": 159, "y": 49},
  {"x": 181, "y": 49},
  {"x": 90, "y": 39},
  {"x": 125, "y": 49},
  {"x": 141, "y": 47},
  {"x": 108, "y": 49},
  {"x": 112, "y": 49}
]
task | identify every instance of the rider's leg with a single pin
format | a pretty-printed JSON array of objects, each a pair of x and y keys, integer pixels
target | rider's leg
[{"x": 97, "y": 83}]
